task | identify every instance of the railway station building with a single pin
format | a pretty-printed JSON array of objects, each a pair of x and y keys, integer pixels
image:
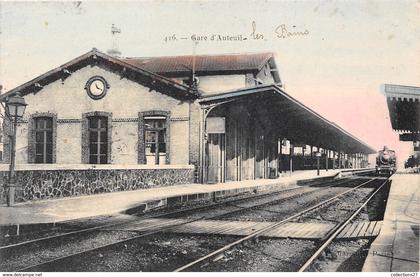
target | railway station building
[{"x": 102, "y": 123}]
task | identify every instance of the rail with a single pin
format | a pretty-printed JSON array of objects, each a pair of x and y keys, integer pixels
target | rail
[
  {"x": 267, "y": 228},
  {"x": 337, "y": 231}
]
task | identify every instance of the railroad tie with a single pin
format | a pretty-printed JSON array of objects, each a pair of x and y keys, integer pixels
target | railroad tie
[{"x": 308, "y": 230}]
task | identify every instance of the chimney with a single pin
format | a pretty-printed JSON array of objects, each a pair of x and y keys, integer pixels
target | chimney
[{"x": 114, "y": 51}]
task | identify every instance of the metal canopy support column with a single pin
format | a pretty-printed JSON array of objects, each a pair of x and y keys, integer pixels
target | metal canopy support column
[
  {"x": 280, "y": 165},
  {"x": 339, "y": 159},
  {"x": 291, "y": 157},
  {"x": 326, "y": 159},
  {"x": 358, "y": 160},
  {"x": 203, "y": 138},
  {"x": 345, "y": 159}
]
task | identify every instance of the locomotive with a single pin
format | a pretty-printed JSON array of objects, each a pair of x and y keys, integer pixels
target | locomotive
[
  {"x": 386, "y": 162},
  {"x": 411, "y": 162}
]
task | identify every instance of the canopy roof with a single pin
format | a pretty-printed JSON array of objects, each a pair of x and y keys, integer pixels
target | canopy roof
[
  {"x": 292, "y": 119},
  {"x": 404, "y": 107}
]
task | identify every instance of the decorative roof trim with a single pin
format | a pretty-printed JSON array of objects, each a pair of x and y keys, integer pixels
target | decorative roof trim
[
  {"x": 401, "y": 92},
  {"x": 155, "y": 81}
]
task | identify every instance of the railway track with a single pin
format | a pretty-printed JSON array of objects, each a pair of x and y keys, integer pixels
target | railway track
[
  {"x": 183, "y": 211},
  {"x": 45, "y": 264},
  {"x": 336, "y": 231},
  {"x": 215, "y": 255}
]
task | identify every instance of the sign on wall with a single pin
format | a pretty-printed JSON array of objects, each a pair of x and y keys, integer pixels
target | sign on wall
[{"x": 215, "y": 125}]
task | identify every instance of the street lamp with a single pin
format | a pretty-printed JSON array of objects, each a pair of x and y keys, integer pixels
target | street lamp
[{"x": 15, "y": 108}]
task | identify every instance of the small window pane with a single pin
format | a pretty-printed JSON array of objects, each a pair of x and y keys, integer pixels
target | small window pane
[
  {"x": 39, "y": 159},
  {"x": 39, "y": 149},
  {"x": 150, "y": 137},
  {"x": 104, "y": 136},
  {"x": 49, "y": 123},
  {"x": 93, "y": 122},
  {"x": 103, "y": 159},
  {"x": 162, "y": 147},
  {"x": 150, "y": 148},
  {"x": 39, "y": 137},
  {"x": 153, "y": 148},
  {"x": 160, "y": 124},
  {"x": 49, "y": 137},
  {"x": 49, "y": 148},
  {"x": 162, "y": 136},
  {"x": 155, "y": 123},
  {"x": 93, "y": 137},
  {"x": 39, "y": 123},
  {"x": 103, "y": 122},
  {"x": 93, "y": 159},
  {"x": 49, "y": 159},
  {"x": 103, "y": 148},
  {"x": 93, "y": 148}
]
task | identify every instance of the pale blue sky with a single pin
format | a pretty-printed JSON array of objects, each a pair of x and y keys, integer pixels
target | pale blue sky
[{"x": 352, "y": 46}]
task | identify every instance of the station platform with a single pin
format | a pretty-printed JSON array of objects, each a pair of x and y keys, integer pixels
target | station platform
[
  {"x": 396, "y": 249},
  {"x": 72, "y": 208}
]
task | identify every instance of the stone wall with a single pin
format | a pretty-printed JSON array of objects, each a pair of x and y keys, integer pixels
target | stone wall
[{"x": 49, "y": 184}]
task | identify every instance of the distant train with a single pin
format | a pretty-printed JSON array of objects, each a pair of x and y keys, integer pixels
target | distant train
[
  {"x": 411, "y": 162},
  {"x": 386, "y": 162}
]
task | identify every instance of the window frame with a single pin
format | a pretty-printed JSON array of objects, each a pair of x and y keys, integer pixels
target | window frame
[
  {"x": 32, "y": 136},
  {"x": 45, "y": 130},
  {"x": 142, "y": 134},
  {"x": 97, "y": 132},
  {"x": 86, "y": 140}
]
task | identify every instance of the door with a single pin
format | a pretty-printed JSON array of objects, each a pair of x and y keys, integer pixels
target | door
[{"x": 215, "y": 165}]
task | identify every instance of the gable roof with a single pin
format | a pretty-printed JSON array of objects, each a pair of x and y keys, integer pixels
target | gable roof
[
  {"x": 95, "y": 57},
  {"x": 205, "y": 64}
]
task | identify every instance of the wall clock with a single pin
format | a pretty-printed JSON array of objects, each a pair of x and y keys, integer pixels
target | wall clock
[{"x": 97, "y": 87}]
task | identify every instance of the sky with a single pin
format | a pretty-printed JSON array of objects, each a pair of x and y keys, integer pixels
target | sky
[{"x": 334, "y": 58}]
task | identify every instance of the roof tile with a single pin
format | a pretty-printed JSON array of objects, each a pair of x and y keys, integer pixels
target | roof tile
[{"x": 207, "y": 63}]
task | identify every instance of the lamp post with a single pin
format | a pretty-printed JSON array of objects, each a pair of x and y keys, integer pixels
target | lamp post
[{"x": 15, "y": 108}]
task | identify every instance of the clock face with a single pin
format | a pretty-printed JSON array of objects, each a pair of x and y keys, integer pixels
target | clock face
[{"x": 96, "y": 87}]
